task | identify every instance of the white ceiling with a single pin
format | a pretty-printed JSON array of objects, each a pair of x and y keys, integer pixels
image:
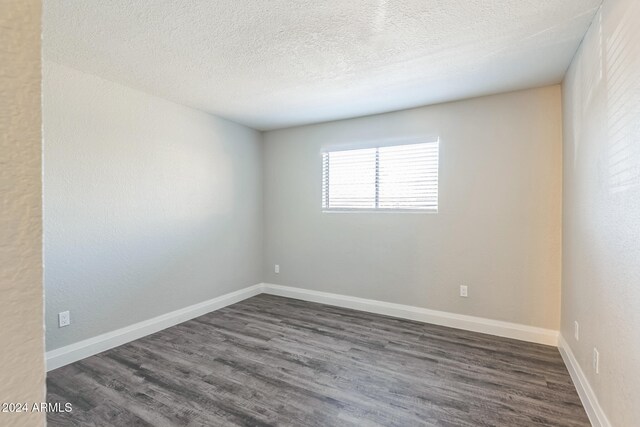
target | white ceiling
[{"x": 279, "y": 63}]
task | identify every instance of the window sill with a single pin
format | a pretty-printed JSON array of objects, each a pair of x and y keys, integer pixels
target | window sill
[{"x": 383, "y": 211}]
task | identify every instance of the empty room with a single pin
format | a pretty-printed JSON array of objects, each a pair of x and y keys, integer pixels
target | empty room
[{"x": 320, "y": 213}]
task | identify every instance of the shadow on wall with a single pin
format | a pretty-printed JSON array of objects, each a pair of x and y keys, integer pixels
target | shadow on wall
[
  {"x": 623, "y": 105},
  {"x": 176, "y": 211},
  {"x": 149, "y": 206}
]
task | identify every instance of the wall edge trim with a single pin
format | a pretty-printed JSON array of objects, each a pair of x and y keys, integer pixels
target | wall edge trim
[
  {"x": 453, "y": 320},
  {"x": 73, "y": 352},
  {"x": 587, "y": 396},
  {"x": 88, "y": 347}
]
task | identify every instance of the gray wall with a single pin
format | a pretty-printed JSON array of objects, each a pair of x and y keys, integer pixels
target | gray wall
[
  {"x": 21, "y": 331},
  {"x": 148, "y": 206},
  {"x": 601, "y": 230},
  {"x": 497, "y": 229}
]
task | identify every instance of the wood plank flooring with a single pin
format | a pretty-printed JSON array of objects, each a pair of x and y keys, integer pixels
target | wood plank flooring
[{"x": 277, "y": 361}]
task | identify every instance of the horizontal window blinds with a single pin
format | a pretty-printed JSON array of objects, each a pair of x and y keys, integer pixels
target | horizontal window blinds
[{"x": 401, "y": 177}]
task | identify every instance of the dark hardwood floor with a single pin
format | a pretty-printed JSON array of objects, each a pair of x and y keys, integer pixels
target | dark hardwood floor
[{"x": 277, "y": 361}]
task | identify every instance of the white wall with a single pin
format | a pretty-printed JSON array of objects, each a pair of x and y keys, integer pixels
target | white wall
[
  {"x": 148, "y": 206},
  {"x": 601, "y": 225},
  {"x": 21, "y": 328},
  {"x": 497, "y": 229}
]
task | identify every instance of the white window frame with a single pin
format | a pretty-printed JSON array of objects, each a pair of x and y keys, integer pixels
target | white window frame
[{"x": 325, "y": 196}]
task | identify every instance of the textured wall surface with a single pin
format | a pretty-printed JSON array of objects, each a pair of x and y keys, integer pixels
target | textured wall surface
[
  {"x": 21, "y": 325},
  {"x": 497, "y": 229},
  {"x": 149, "y": 206},
  {"x": 276, "y": 63},
  {"x": 601, "y": 226}
]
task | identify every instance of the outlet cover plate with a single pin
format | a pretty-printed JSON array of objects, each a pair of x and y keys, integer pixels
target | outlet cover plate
[{"x": 64, "y": 319}]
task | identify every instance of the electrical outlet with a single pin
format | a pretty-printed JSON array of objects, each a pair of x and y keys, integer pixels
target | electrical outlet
[
  {"x": 64, "y": 319},
  {"x": 464, "y": 291},
  {"x": 576, "y": 330},
  {"x": 277, "y": 269},
  {"x": 596, "y": 360}
]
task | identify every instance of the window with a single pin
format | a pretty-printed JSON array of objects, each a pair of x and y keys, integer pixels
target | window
[{"x": 400, "y": 177}]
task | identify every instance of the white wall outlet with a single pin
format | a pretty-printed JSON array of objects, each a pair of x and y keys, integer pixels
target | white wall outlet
[
  {"x": 277, "y": 269},
  {"x": 64, "y": 319},
  {"x": 596, "y": 360},
  {"x": 576, "y": 330},
  {"x": 464, "y": 292}
]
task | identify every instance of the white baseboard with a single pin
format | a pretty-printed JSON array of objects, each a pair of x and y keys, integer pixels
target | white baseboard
[
  {"x": 71, "y": 353},
  {"x": 459, "y": 321},
  {"x": 85, "y": 348},
  {"x": 587, "y": 396}
]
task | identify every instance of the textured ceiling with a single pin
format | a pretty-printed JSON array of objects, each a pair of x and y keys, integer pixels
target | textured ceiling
[{"x": 278, "y": 63}]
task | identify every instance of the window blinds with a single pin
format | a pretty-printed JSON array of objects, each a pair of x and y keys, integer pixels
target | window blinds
[{"x": 400, "y": 177}]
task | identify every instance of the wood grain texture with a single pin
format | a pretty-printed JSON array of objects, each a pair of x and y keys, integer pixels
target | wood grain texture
[{"x": 277, "y": 361}]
